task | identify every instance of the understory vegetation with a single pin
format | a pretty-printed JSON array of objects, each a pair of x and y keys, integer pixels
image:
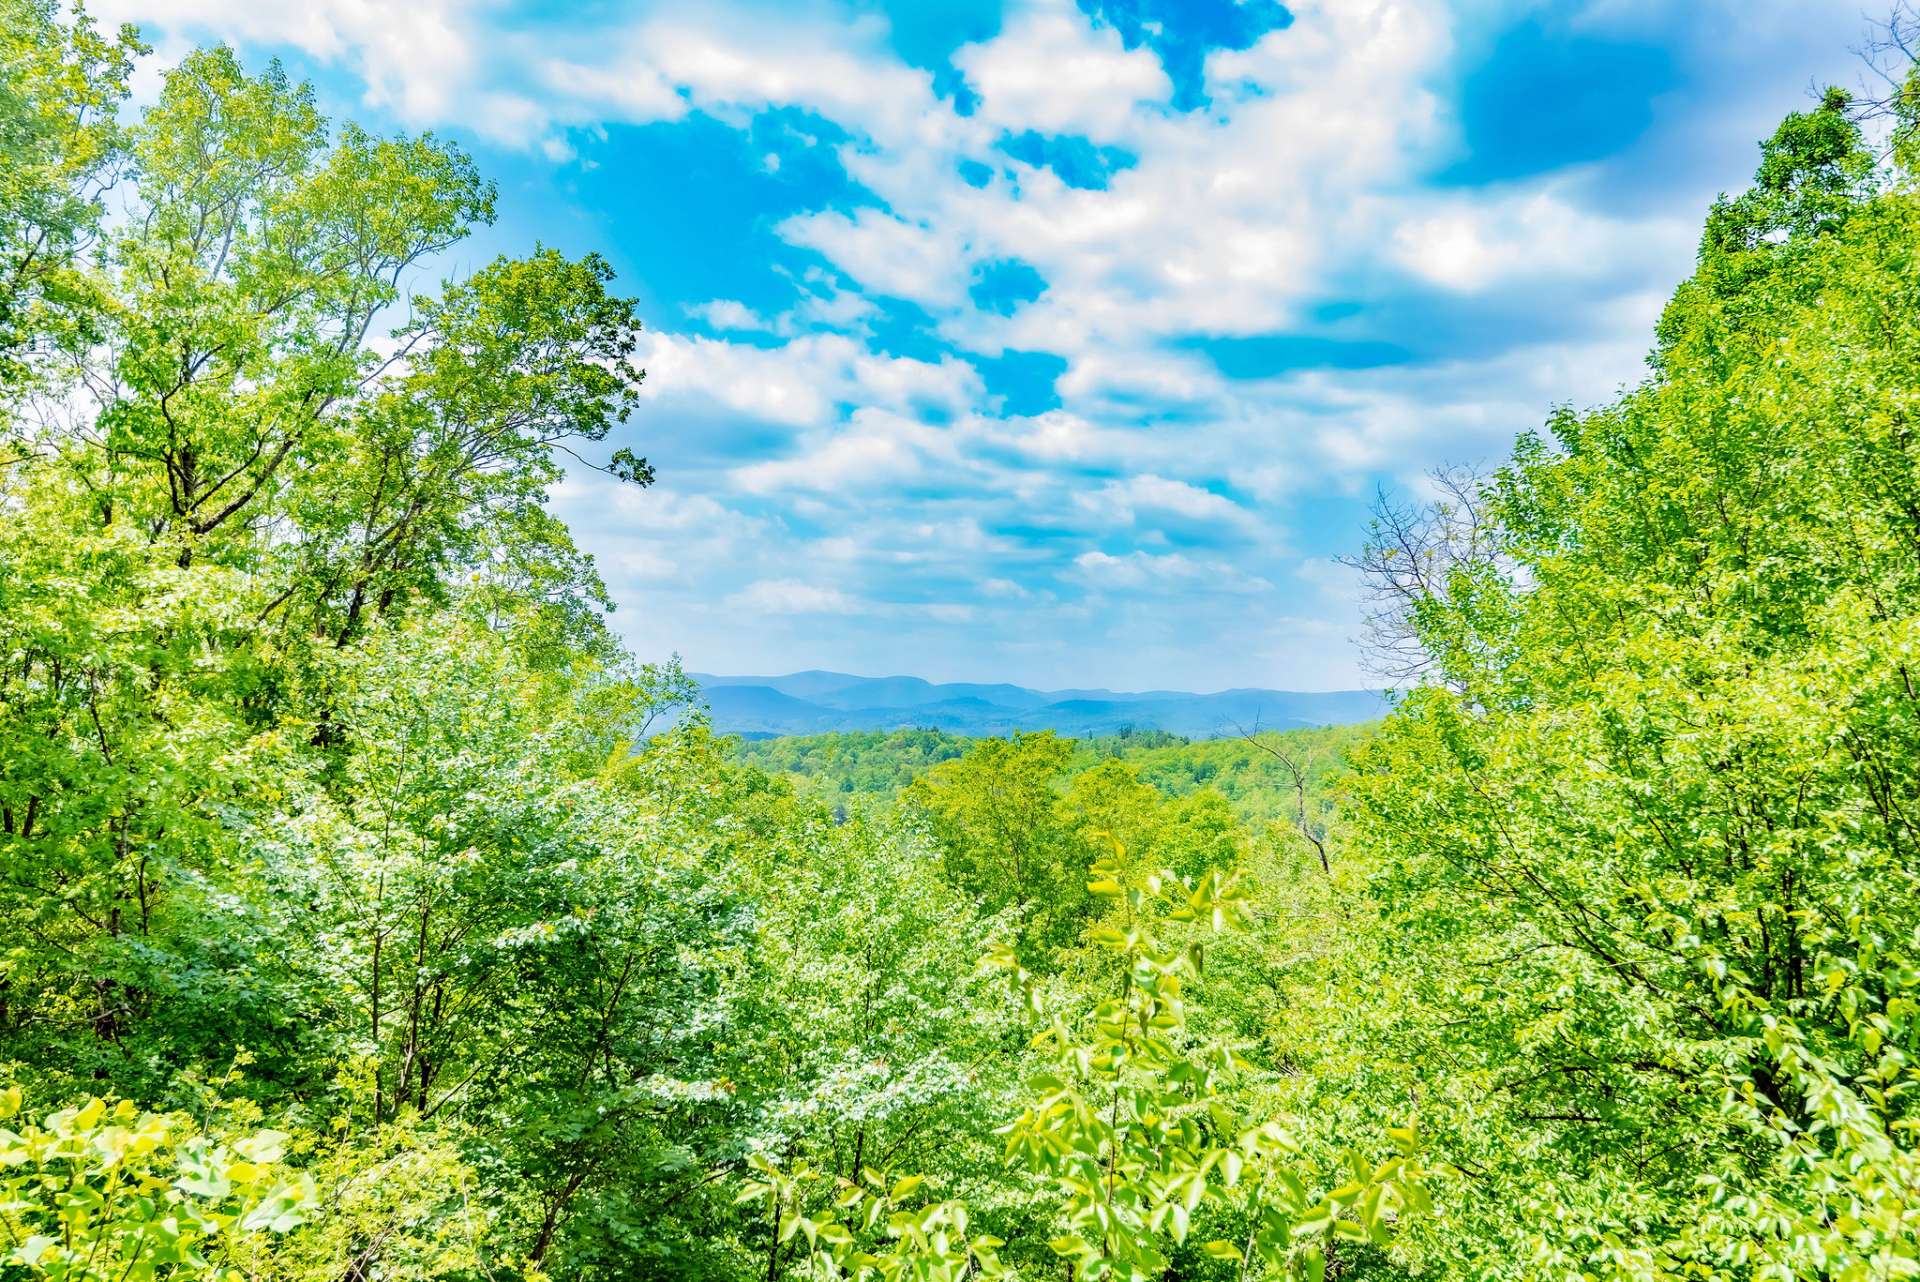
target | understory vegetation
[{"x": 366, "y": 912}]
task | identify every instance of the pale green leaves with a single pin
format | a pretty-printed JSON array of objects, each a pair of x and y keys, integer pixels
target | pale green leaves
[
  {"x": 871, "y": 1227},
  {"x": 1128, "y": 1127},
  {"x": 102, "y": 1192}
]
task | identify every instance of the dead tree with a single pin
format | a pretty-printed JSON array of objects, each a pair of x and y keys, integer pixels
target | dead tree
[
  {"x": 1297, "y": 772},
  {"x": 1409, "y": 557},
  {"x": 1890, "y": 55}
]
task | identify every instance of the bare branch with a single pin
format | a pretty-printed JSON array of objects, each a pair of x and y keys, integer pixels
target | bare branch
[
  {"x": 1411, "y": 552},
  {"x": 1297, "y": 772},
  {"x": 1890, "y": 54}
]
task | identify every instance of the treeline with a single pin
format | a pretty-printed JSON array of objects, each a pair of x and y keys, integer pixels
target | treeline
[
  {"x": 1259, "y": 783},
  {"x": 367, "y": 913}
]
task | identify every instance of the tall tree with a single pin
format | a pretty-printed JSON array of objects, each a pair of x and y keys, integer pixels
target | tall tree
[
  {"x": 1651, "y": 858},
  {"x": 61, "y": 85}
]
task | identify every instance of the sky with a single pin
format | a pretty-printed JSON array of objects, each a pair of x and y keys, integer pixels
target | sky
[{"x": 1065, "y": 342}]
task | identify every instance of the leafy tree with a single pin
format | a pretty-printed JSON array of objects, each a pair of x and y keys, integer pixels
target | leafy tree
[
  {"x": 860, "y": 765},
  {"x": 1002, "y": 834},
  {"x": 1649, "y": 861},
  {"x": 1130, "y": 1126},
  {"x": 61, "y": 85},
  {"x": 876, "y": 1041},
  {"x": 252, "y": 482}
]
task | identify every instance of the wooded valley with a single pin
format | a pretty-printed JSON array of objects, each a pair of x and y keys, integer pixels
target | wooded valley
[{"x": 367, "y": 912}]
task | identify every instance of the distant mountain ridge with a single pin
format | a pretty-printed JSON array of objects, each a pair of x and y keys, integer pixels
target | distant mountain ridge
[{"x": 816, "y": 702}]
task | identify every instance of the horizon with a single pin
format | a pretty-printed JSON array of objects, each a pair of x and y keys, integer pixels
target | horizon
[
  {"x": 1066, "y": 341},
  {"x": 816, "y": 702},
  {"x": 743, "y": 677}
]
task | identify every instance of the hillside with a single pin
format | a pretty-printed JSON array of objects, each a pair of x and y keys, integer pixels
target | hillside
[
  {"x": 816, "y": 702},
  {"x": 1249, "y": 775}
]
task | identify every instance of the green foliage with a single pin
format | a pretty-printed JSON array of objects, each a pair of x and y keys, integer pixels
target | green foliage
[
  {"x": 332, "y": 815},
  {"x": 861, "y": 765},
  {"x": 1001, "y": 832},
  {"x": 100, "y": 1194},
  {"x": 1650, "y": 859},
  {"x": 61, "y": 85},
  {"x": 873, "y": 1228},
  {"x": 1130, "y": 1123},
  {"x": 1137, "y": 1128},
  {"x": 186, "y": 559},
  {"x": 855, "y": 769}
]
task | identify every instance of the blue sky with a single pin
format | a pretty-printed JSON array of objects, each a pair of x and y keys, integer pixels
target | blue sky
[{"x": 1064, "y": 342}]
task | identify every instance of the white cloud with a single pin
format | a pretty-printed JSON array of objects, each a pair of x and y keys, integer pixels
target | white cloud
[
  {"x": 876, "y": 449},
  {"x": 887, "y": 254},
  {"x": 1472, "y": 243},
  {"x": 1055, "y": 436},
  {"x": 731, "y": 63},
  {"x": 1050, "y": 70},
  {"x": 1303, "y": 182},
  {"x": 1138, "y": 570},
  {"x": 800, "y": 383},
  {"x": 791, "y": 596},
  {"x": 728, "y": 314},
  {"x": 627, "y": 90},
  {"x": 763, "y": 383},
  {"x": 1126, "y": 500},
  {"x": 414, "y": 59}
]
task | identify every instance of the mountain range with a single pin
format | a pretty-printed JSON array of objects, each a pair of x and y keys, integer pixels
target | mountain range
[{"x": 815, "y": 702}]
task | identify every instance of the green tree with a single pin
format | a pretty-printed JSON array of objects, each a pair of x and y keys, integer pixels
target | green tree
[
  {"x": 876, "y": 1041},
  {"x": 1128, "y": 1124},
  {"x": 61, "y": 85},
  {"x": 249, "y": 483},
  {"x": 1002, "y": 833},
  {"x": 1649, "y": 860}
]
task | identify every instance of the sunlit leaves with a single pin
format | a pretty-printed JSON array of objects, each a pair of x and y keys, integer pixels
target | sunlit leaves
[
  {"x": 872, "y": 1227},
  {"x": 1132, "y": 1126},
  {"x": 61, "y": 84},
  {"x": 102, "y": 1193},
  {"x": 1650, "y": 864}
]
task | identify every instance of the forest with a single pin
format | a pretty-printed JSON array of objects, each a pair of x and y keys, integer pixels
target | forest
[{"x": 368, "y": 912}]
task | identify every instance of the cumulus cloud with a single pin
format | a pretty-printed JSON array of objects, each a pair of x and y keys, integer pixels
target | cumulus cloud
[
  {"x": 417, "y": 59},
  {"x": 1048, "y": 69},
  {"x": 727, "y": 313},
  {"x": 803, "y": 382},
  {"x": 1471, "y": 244},
  {"x": 885, "y": 253},
  {"x": 1142, "y": 497},
  {"x": 1145, "y": 570},
  {"x": 865, "y": 417},
  {"x": 875, "y": 450}
]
